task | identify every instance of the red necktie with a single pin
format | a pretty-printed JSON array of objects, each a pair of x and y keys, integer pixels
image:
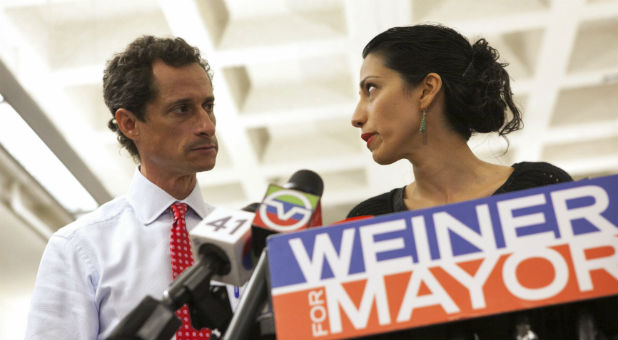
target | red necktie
[{"x": 180, "y": 252}]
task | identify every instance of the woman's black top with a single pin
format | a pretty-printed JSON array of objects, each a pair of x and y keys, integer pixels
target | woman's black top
[
  {"x": 551, "y": 322},
  {"x": 525, "y": 175}
]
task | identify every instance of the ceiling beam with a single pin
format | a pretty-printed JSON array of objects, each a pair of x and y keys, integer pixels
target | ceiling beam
[{"x": 32, "y": 114}]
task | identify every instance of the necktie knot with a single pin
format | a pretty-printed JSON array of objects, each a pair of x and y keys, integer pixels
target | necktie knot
[{"x": 179, "y": 210}]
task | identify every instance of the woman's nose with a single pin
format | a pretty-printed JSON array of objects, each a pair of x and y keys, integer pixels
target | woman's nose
[{"x": 358, "y": 117}]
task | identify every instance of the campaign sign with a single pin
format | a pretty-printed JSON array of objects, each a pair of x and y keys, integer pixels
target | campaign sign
[{"x": 507, "y": 252}]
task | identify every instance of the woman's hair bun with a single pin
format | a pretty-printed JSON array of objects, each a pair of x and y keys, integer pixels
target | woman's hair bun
[
  {"x": 488, "y": 81},
  {"x": 483, "y": 55}
]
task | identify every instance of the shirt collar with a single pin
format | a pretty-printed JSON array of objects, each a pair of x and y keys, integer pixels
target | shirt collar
[{"x": 149, "y": 201}]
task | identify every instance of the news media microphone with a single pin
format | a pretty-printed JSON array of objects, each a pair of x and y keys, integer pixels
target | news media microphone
[
  {"x": 222, "y": 251},
  {"x": 309, "y": 182},
  {"x": 251, "y": 207},
  {"x": 226, "y": 231},
  {"x": 306, "y": 181},
  {"x": 291, "y": 207},
  {"x": 220, "y": 245},
  {"x": 288, "y": 208}
]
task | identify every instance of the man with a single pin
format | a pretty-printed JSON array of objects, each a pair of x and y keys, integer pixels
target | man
[{"x": 98, "y": 268}]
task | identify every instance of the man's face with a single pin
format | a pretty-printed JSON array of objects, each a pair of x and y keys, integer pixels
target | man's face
[{"x": 177, "y": 137}]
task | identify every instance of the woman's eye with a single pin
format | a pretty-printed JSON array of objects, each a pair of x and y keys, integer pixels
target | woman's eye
[{"x": 370, "y": 89}]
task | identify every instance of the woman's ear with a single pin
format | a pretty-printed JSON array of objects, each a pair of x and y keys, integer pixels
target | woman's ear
[
  {"x": 430, "y": 86},
  {"x": 127, "y": 123}
]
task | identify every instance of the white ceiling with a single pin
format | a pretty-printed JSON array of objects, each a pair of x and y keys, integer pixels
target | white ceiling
[{"x": 285, "y": 81}]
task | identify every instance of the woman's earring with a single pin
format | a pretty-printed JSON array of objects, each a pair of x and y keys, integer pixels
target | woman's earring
[{"x": 423, "y": 122}]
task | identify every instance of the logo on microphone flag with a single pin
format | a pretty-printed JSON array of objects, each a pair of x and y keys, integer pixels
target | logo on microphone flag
[
  {"x": 521, "y": 250},
  {"x": 285, "y": 210}
]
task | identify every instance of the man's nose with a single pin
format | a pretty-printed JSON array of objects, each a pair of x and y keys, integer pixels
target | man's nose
[{"x": 207, "y": 123}]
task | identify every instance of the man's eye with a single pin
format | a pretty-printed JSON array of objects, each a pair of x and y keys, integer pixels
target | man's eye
[
  {"x": 209, "y": 107},
  {"x": 182, "y": 109}
]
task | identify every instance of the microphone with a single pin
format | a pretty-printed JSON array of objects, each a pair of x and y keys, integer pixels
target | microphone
[
  {"x": 288, "y": 208},
  {"x": 292, "y": 207},
  {"x": 226, "y": 233},
  {"x": 221, "y": 248}
]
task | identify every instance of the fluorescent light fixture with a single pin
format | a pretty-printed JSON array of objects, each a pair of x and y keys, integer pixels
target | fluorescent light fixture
[{"x": 32, "y": 153}]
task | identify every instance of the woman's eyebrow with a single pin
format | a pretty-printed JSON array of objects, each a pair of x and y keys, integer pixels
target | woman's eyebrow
[{"x": 362, "y": 82}]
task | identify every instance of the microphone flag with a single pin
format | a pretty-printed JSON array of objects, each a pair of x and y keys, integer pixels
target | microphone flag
[
  {"x": 283, "y": 211},
  {"x": 230, "y": 231}
]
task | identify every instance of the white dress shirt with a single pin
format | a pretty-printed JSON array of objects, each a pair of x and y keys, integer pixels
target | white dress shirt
[{"x": 95, "y": 270}]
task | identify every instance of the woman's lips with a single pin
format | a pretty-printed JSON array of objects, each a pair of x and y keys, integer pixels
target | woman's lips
[{"x": 368, "y": 137}]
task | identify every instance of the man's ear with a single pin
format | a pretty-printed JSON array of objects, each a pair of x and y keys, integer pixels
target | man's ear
[
  {"x": 127, "y": 123},
  {"x": 430, "y": 86}
]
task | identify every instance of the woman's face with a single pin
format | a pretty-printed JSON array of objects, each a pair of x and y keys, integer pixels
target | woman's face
[{"x": 388, "y": 112}]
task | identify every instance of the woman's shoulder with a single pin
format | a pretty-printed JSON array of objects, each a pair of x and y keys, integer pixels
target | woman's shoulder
[
  {"x": 533, "y": 174},
  {"x": 376, "y": 205}
]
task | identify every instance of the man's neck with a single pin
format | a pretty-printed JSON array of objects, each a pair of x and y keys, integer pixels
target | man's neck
[{"x": 178, "y": 186}]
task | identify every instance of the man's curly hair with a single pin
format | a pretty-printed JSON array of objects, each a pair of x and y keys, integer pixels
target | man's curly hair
[{"x": 128, "y": 79}]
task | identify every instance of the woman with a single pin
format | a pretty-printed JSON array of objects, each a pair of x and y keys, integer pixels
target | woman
[{"x": 424, "y": 90}]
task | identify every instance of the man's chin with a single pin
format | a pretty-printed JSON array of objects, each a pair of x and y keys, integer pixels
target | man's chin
[
  {"x": 205, "y": 167},
  {"x": 203, "y": 162}
]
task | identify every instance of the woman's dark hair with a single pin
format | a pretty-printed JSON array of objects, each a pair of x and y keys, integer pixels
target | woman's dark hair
[
  {"x": 477, "y": 89},
  {"x": 128, "y": 80}
]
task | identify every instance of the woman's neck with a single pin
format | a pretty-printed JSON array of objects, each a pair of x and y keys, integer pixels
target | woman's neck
[{"x": 448, "y": 173}]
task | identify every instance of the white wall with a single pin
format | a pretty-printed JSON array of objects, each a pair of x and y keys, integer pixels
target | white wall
[{"x": 19, "y": 260}]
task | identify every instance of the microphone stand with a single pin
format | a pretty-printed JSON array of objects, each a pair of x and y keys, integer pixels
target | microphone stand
[
  {"x": 253, "y": 301},
  {"x": 154, "y": 319}
]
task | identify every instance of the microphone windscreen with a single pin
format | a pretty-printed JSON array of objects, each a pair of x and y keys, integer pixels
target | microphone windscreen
[
  {"x": 306, "y": 181},
  {"x": 251, "y": 207}
]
